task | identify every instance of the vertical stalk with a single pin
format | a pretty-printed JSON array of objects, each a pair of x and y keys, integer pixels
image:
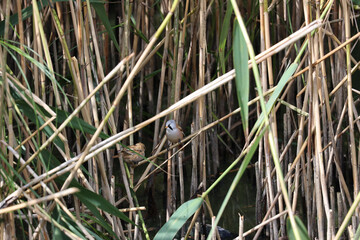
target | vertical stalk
[
  {"x": 8, "y": 225},
  {"x": 128, "y": 12},
  {"x": 201, "y": 101},
  {"x": 345, "y": 8},
  {"x": 263, "y": 108},
  {"x": 272, "y": 119}
]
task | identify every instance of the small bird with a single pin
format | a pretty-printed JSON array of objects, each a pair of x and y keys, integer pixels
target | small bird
[
  {"x": 133, "y": 154},
  {"x": 174, "y": 133}
]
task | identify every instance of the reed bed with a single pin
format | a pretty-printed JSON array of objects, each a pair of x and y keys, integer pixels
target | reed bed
[{"x": 264, "y": 88}]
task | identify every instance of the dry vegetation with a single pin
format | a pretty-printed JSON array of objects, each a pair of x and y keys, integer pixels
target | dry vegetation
[{"x": 86, "y": 86}]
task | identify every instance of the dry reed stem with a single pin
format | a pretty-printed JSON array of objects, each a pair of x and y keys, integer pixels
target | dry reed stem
[{"x": 40, "y": 200}]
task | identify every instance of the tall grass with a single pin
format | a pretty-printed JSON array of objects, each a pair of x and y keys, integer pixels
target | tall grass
[{"x": 265, "y": 87}]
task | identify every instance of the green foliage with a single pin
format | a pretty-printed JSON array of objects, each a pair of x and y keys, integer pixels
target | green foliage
[
  {"x": 241, "y": 57},
  {"x": 100, "y": 11},
  {"x": 237, "y": 178},
  {"x": 94, "y": 202},
  {"x": 98, "y": 5},
  {"x": 274, "y": 97},
  {"x": 302, "y": 229},
  {"x": 223, "y": 36},
  {"x": 9, "y": 45},
  {"x": 76, "y": 123},
  {"x": 64, "y": 220},
  {"x": 178, "y": 219}
]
